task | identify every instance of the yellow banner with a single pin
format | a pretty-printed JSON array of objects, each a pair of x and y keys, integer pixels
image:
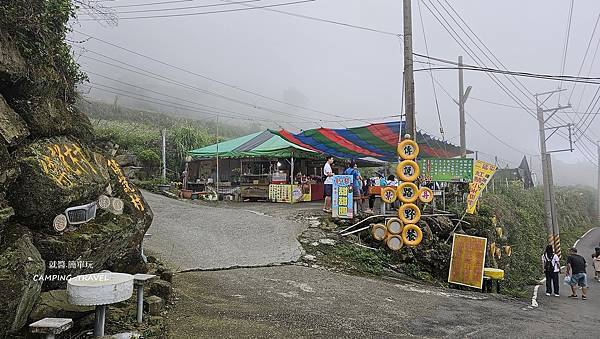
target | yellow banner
[{"x": 482, "y": 174}]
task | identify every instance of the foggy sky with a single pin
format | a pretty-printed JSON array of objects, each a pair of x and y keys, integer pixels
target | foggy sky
[{"x": 358, "y": 74}]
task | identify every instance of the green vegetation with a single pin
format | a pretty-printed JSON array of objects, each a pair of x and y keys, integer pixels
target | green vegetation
[
  {"x": 139, "y": 132},
  {"x": 520, "y": 213},
  {"x": 144, "y": 140},
  {"x": 39, "y": 29}
]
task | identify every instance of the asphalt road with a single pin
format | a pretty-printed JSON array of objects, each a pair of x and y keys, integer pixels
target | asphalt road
[
  {"x": 297, "y": 302},
  {"x": 293, "y": 301},
  {"x": 577, "y": 310},
  {"x": 191, "y": 236}
]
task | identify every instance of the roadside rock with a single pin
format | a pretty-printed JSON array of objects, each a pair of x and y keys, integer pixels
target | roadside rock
[
  {"x": 54, "y": 304},
  {"x": 127, "y": 160},
  {"x": 153, "y": 304},
  {"x": 162, "y": 289},
  {"x": 12, "y": 127},
  {"x": 167, "y": 275},
  {"x": 56, "y": 173},
  {"x": 20, "y": 264},
  {"x": 48, "y": 117}
]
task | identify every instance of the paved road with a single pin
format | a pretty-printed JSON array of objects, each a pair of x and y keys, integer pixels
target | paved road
[
  {"x": 298, "y": 302},
  {"x": 577, "y": 310},
  {"x": 193, "y": 236}
]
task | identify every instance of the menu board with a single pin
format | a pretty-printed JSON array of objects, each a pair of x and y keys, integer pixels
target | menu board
[
  {"x": 446, "y": 170},
  {"x": 342, "y": 203},
  {"x": 467, "y": 260}
]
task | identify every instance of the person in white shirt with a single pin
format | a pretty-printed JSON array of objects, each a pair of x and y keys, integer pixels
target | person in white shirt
[
  {"x": 551, "y": 266},
  {"x": 328, "y": 183}
]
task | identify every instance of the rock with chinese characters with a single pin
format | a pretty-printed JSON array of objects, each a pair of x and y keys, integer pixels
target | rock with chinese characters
[
  {"x": 20, "y": 266},
  {"x": 56, "y": 173},
  {"x": 103, "y": 242}
]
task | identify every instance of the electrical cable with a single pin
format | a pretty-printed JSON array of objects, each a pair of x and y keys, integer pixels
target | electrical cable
[
  {"x": 566, "y": 47},
  {"x": 210, "y": 12},
  {"x": 181, "y": 69},
  {"x": 182, "y": 8},
  {"x": 437, "y": 106}
]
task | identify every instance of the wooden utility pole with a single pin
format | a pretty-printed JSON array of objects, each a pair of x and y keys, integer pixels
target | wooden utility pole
[
  {"x": 409, "y": 80},
  {"x": 462, "y": 98},
  {"x": 552, "y": 227}
]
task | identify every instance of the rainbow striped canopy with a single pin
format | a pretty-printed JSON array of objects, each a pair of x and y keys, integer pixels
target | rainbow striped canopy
[{"x": 377, "y": 141}]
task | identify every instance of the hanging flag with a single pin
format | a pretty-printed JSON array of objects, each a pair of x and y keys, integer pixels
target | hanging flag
[{"x": 482, "y": 174}]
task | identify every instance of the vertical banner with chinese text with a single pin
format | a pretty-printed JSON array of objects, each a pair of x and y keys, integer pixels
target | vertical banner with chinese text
[
  {"x": 342, "y": 203},
  {"x": 482, "y": 174}
]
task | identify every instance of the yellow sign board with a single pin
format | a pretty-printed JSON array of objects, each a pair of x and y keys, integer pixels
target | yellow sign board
[
  {"x": 482, "y": 174},
  {"x": 467, "y": 260}
]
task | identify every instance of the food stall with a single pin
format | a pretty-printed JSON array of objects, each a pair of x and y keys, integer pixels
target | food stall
[{"x": 262, "y": 166}]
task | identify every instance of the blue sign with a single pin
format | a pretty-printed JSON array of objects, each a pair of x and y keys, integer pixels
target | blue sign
[{"x": 342, "y": 203}]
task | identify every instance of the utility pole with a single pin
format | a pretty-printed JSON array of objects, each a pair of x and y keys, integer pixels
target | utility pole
[
  {"x": 164, "y": 153},
  {"x": 462, "y": 98},
  {"x": 217, "y": 176},
  {"x": 598, "y": 145},
  {"x": 409, "y": 80},
  {"x": 552, "y": 227}
]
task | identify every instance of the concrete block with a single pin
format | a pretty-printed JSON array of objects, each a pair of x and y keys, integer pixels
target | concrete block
[{"x": 153, "y": 305}]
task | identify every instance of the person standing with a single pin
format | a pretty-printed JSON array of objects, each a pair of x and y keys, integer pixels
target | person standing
[
  {"x": 551, "y": 267},
  {"x": 576, "y": 269},
  {"x": 356, "y": 182},
  {"x": 328, "y": 183}
]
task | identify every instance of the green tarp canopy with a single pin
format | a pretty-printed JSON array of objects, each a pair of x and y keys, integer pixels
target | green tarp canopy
[{"x": 257, "y": 145}]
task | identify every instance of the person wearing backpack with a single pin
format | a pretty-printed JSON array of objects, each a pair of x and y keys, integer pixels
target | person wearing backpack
[{"x": 551, "y": 267}]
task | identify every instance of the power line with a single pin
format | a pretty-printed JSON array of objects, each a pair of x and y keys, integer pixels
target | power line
[
  {"x": 481, "y": 125},
  {"x": 566, "y": 47},
  {"x": 210, "y": 12},
  {"x": 182, "y": 8},
  {"x": 514, "y": 81},
  {"x": 493, "y": 59},
  {"x": 237, "y": 88},
  {"x": 214, "y": 109},
  {"x": 171, "y": 81},
  {"x": 329, "y": 21},
  {"x": 566, "y": 78},
  {"x": 585, "y": 55},
  {"x": 152, "y": 3},
  {"x": 437, "y": 106}
]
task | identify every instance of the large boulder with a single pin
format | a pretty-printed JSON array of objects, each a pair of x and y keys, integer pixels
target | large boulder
[
  {"x": 49, "y": 116},
  {"x": 102, "y": 242},
  {"x": 56, "y": 173},
  {"x": 21, "y": 266},
  {"x": 12, "y": 127},
  {"x": 55, "y": 304}
]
